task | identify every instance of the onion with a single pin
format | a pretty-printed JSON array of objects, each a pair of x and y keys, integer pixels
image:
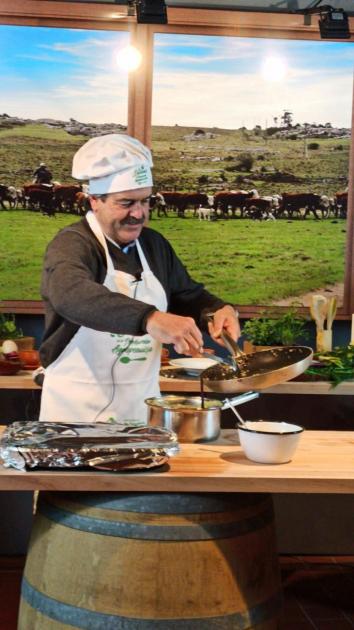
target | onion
[{"x": 9, "y": 346}]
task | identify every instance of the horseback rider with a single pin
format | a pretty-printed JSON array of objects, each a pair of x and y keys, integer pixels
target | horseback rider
[{"x": 42, "y": 175}]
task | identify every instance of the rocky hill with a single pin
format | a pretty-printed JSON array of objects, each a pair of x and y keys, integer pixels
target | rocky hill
[{"x": 73, "y": 127}]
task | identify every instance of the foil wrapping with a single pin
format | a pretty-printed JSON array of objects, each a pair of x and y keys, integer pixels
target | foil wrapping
[{"x": 102, "y": 446}]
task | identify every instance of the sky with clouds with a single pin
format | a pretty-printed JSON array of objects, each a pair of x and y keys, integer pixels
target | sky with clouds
[
  {"x": 198, "y": 80},
  {"x": 219, "y": 81}
]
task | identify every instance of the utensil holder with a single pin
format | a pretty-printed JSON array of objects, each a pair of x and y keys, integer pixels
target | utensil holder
[{"x": 324, "y": 341}]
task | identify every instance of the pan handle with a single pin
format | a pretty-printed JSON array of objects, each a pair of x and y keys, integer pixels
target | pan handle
[{"x": 239, "y": 400}]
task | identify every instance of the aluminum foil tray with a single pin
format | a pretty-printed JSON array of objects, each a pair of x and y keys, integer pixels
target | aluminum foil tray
[{"x": 103, "y": 446}]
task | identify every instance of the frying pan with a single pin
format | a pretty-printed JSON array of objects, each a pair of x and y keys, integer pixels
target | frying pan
[{"x": 257, "y": 370}]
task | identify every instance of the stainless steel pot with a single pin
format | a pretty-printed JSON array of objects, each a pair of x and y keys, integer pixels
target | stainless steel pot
[{"x": 185, "y": 415}]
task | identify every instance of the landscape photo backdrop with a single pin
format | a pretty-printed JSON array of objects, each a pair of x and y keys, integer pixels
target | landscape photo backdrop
[{"x": 219, "y": 124}]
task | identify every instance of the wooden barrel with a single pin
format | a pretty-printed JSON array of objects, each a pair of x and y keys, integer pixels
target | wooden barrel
[{"x": 151, "y": 561}]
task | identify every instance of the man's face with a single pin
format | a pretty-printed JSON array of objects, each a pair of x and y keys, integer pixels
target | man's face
[{"x": 122, "y": 215}]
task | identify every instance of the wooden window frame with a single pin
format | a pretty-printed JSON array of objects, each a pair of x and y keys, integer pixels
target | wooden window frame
[{"x": 100, "y": 16}]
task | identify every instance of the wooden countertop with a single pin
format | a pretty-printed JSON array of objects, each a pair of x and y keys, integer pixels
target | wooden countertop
[
  {"x": 323, "y": 463},
  {"x": 23, "y": 380}
]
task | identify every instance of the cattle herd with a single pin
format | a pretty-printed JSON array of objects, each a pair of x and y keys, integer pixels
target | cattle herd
[
  {"x": 45, "y": 198},
  {"x": 73, "y": 199}
]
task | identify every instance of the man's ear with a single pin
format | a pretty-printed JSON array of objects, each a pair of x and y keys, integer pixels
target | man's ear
[{"x": 93, "y": 202}]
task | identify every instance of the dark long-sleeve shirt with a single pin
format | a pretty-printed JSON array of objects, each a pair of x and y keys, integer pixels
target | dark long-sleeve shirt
[{"x": 74, "y": 295}]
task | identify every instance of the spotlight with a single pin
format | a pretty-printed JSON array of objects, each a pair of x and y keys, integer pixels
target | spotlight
[
  {"x": 131, "y": 8},
  {"x": 334, "y": 24},
  {"x": 151, "y": 12}
]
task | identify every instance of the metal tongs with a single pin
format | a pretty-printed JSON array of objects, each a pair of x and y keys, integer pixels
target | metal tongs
[
  {"x": 233, "y": 348},
  {"x": 231, "y": 345}
]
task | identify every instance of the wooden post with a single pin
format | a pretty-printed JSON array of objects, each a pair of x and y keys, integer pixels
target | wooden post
[{"x": 140, "y": 85}]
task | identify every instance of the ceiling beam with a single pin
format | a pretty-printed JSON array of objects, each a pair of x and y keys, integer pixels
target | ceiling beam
[{"x": 202, "y": 21}]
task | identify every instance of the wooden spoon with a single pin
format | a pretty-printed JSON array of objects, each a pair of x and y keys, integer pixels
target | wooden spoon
[
  {"x": 331, "y": 313},
  {"x": 318, "y": 310}
]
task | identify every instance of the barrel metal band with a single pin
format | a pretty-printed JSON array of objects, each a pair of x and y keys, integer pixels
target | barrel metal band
[
  {"x": 83, "y": 618},
  {"x": 204, "y": 531},
  {"x": 166, "y": 502}
]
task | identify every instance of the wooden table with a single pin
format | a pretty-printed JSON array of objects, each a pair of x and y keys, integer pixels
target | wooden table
[{"x": 323, "y": 463}]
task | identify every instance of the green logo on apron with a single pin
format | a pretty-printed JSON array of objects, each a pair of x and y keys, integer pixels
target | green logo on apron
[{"x": 130, "y": 348}]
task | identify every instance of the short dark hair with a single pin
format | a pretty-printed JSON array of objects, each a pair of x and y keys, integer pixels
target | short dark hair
[{"x": 101, "y": 197}]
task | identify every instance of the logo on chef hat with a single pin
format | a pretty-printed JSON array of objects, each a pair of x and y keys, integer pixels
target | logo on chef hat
[{"x": 141, "y": 175}]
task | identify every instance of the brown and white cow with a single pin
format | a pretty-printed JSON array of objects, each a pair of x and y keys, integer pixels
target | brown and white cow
[
  {"x": 180, "y": 201},
  {"x": 39, "y": 197},
  {"x": 6, "y": 195},
  {"x": 231, "y": 200},
  {"x": 301, "y": 204},
  {"x": 65, "y": 196},
  {"x": 341, "y": 204},
  {"x": 259, "y": 208}
]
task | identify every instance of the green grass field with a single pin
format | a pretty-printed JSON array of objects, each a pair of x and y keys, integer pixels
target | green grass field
[{"x": 245, "y": 262}]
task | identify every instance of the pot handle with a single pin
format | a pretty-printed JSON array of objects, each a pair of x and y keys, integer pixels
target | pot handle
[{"x": 239, "y": 400}]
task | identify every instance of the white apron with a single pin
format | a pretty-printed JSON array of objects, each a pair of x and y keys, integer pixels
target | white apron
[{"x": 101, "y": 376}]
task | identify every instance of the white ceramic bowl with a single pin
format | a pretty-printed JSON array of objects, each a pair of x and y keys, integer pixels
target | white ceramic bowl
[
  {"x": 269, "y": 442},
  {"x": 193, "y": 366}
]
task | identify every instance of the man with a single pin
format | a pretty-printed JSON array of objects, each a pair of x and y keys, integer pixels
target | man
[
  {"x": 114, "y": 291},
  {"x": 42, "y": 175}
]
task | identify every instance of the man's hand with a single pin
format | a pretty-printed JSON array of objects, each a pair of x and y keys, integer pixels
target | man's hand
[
  {"x": 225, "y": 318},
  {"x": 182, "y": 332}
]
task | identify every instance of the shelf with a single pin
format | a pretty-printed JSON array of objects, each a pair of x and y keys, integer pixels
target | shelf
[{"x": 23, "y": 380}]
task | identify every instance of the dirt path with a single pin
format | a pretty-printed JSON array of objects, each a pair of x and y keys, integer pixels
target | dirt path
[{"x": 333, "y": 290}]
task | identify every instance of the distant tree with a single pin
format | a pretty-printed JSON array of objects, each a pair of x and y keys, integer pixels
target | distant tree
[
  {"x": 287, "y": 119},
  {"x": 275, "y": 120},
  {"x": 203, "y": 179}
]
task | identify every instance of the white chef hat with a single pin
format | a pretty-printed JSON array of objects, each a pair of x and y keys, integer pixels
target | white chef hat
[{"x": 113, "y": 163}]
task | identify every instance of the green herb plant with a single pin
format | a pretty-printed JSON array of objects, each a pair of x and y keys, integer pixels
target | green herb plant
[
  {"x": 8, "y": 328},
  {"x": 335, "y": 366},
  {"x": 272, "y": 330}
]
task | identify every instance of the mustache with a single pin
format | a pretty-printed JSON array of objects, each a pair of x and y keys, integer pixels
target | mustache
[{"x": 132, "y": 221}]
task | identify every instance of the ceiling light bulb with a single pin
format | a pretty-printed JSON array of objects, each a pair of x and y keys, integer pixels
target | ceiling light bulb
[{"x": 129, "y": 58}]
